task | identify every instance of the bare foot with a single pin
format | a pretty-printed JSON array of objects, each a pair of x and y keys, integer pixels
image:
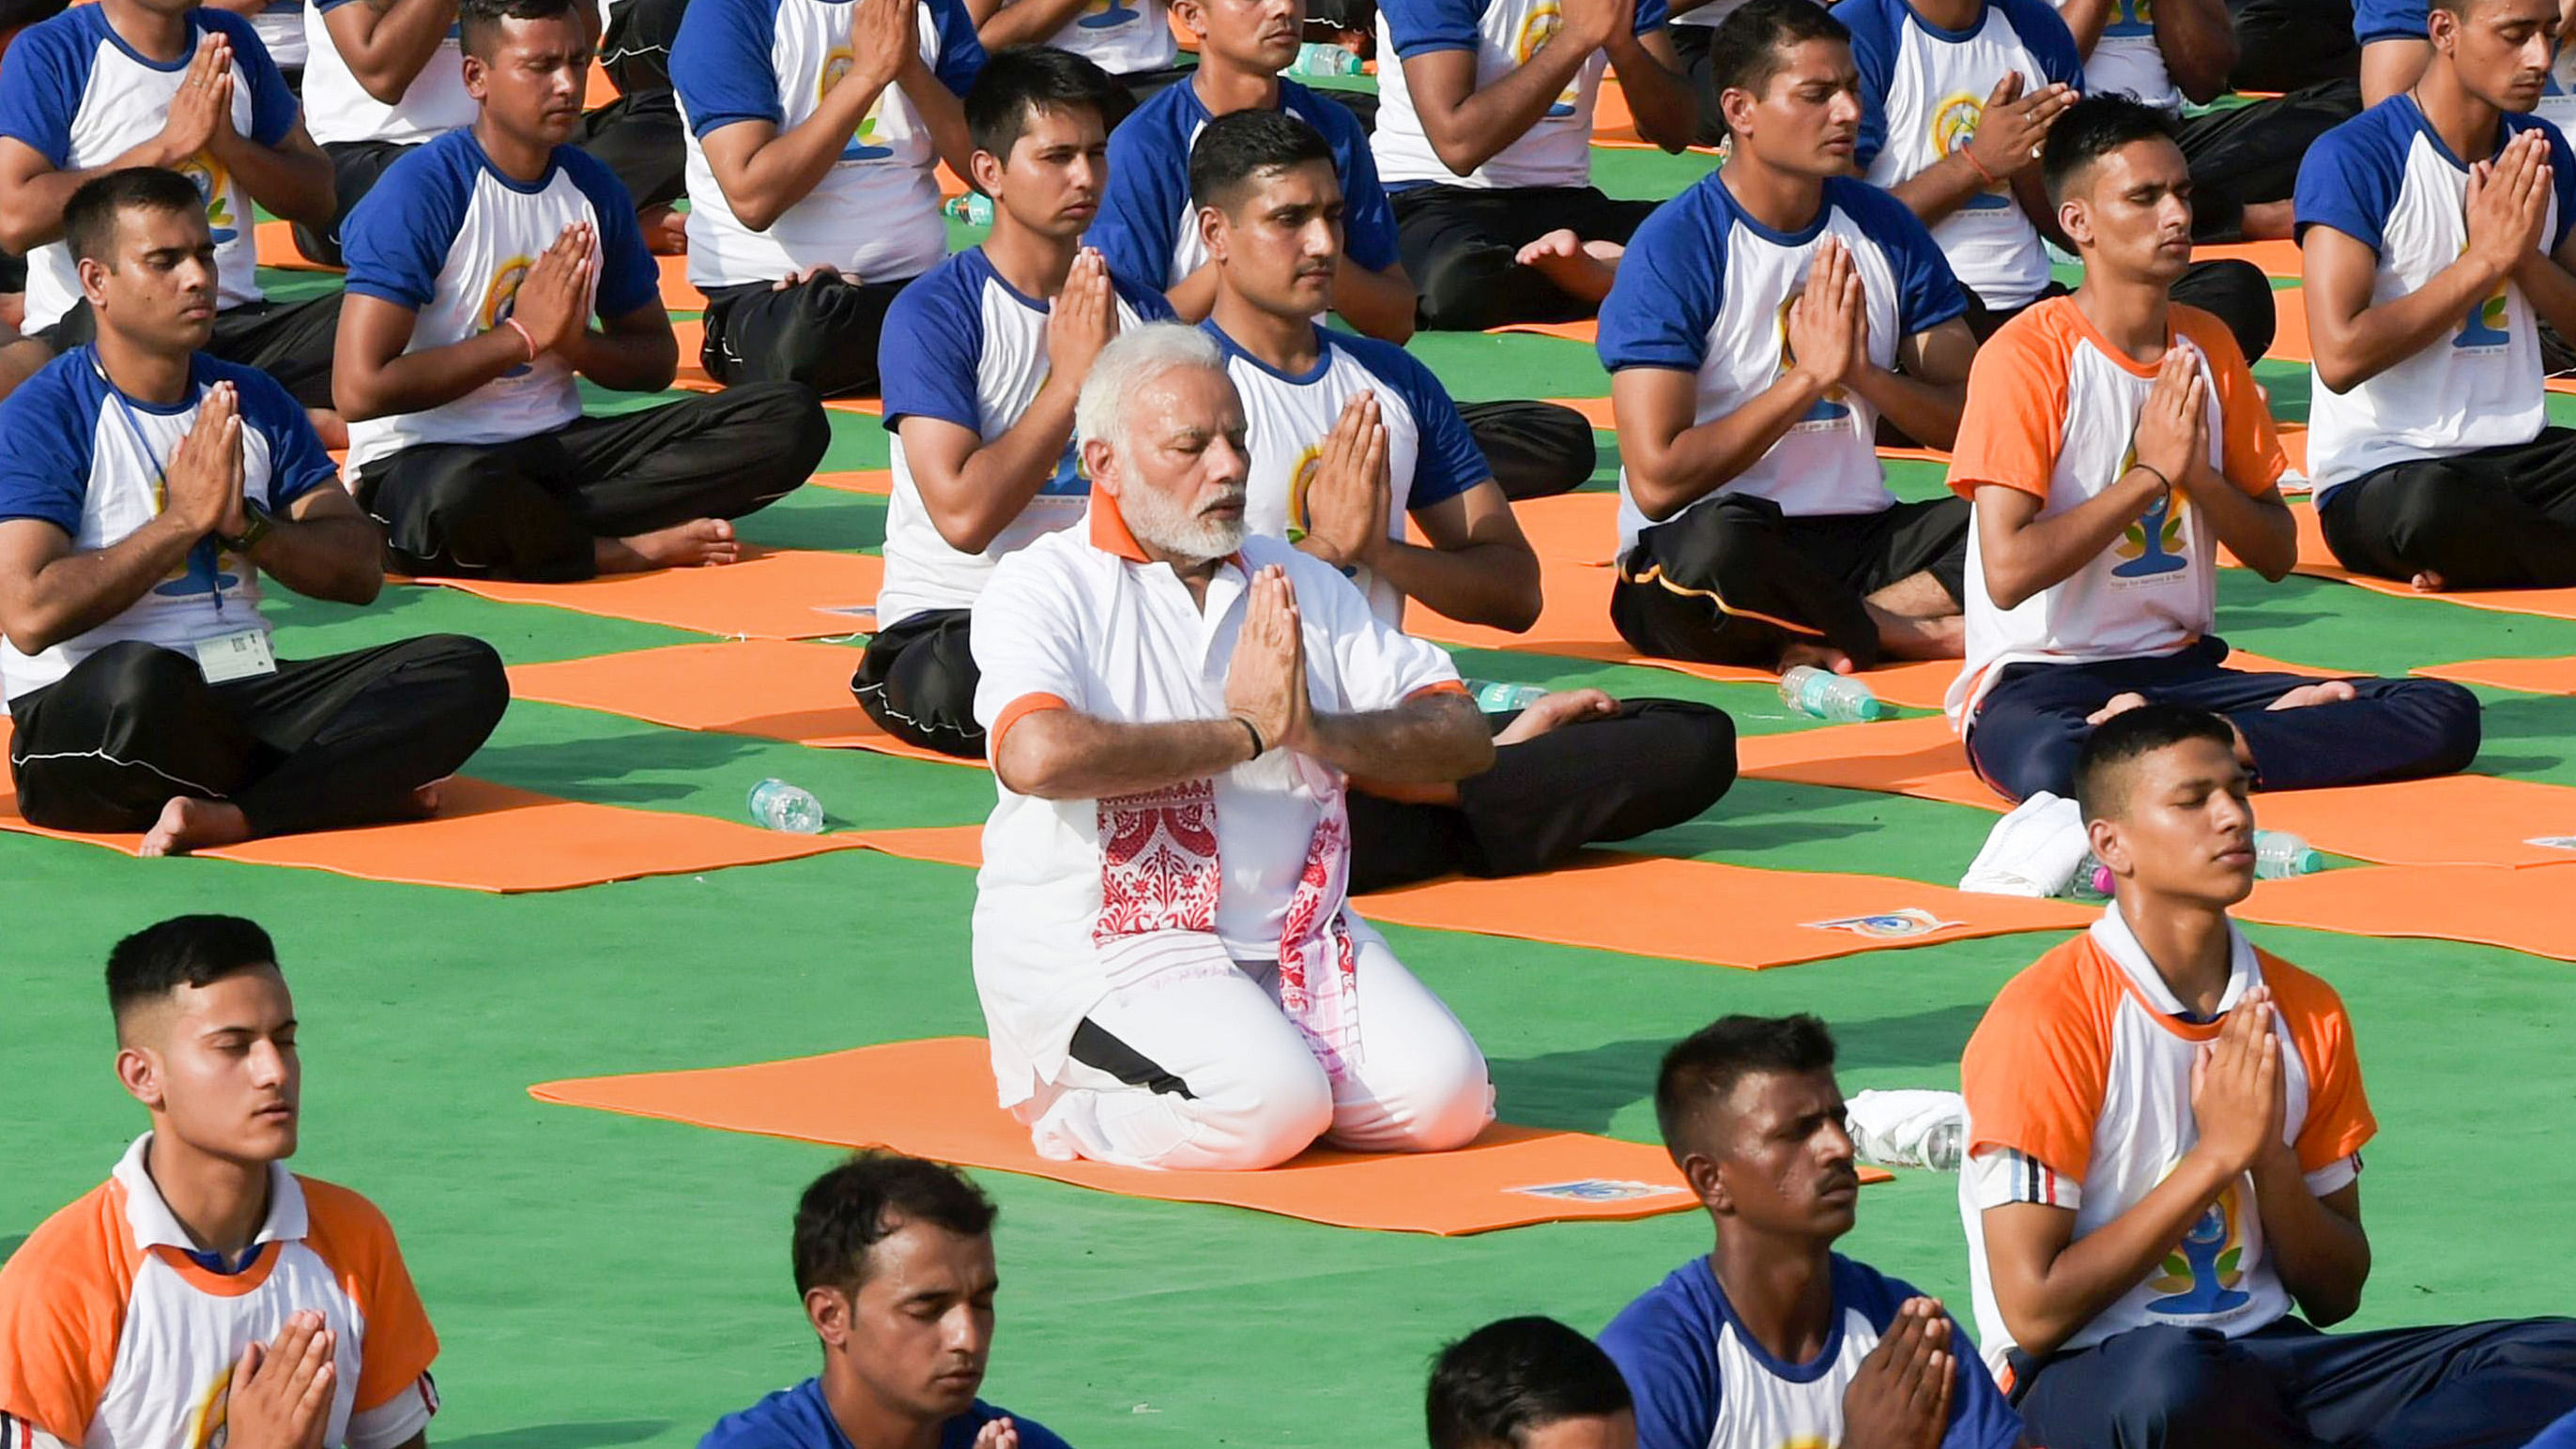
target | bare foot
[
  {"x": 1555, "y": 711},
  {"x": 13, "y": 310},
  {"x": 704, "y": 542},
  {"x": 666, "y": 232},
  {"x": 1815, "y": 656},
  {"x": 1941, "y": 636},
  {"x": 335, "y": 433},
  {"x": 2429, "y": 582},
  {"x": 424, "y": 801},
  {"x": 2331, "y": 691},
  {"x": 188, "y": 823},
  {"x": 1582, "y": 268},
  {"x": 2268, "y": 221},
  {"x": 2119, "y": 704}
]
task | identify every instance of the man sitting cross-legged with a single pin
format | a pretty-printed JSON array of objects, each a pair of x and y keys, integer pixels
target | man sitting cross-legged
[
  {"x": 474, "y": 269},
  {"x": 983, "y": 358},
  {"x": 143, "y": 488},
  {"x": 1351, "y": 437},
  {"x": 203, "y": 1293},
  {"x": 2112, "y": 440},
  {"x": 1764, "y": 322},
  {"x": 2164, "y": 1134},
  {"x": 1528, "y": 1383},
  {"x": 1169, "y": 968},
  {"x": 2426, "y": 279},
  {"x": 815, "y": 132},
  {"x": 1149, "y": 229},
  {"x": 1774, "y": 1338},
  {"x": 894, "y": 1257},
  {"x": 164, "y": 83}
]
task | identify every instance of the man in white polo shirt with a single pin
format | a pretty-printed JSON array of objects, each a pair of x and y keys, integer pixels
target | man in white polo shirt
[
  {"x": 814, "y": 132},
  {"x": 1169, "y": 969},
  {"x": 1352, "y": 438}
]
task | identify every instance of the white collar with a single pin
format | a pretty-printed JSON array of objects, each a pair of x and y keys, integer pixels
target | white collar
[
  {"x": 2117, "y": 941},
  {"x": 148, "y": 1215}
]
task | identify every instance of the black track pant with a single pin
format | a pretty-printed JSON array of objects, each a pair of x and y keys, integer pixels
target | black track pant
[
  {"x": 319, "y": 745},
  {"x": 917, "y": 681},
  {"x": 1734, "y": 580},
  {"x": 2498, "y": 518},
  {"x": 2251, "y": 153},
  {"x": 533, "y": 509},
  {"x": 1690, "y": 46},
  {"x": 2285, "y": 45},
  {"x": 1655, "y": 764},
  {"x": 290, "y": 341},
  {"x": 639, "y": 135},
  {"x": 822, "y": 333},
  {"x": 2236, "y": 293},
  {"x": 1460, "y": 245},
  {"x": 1536, "y": 449}
]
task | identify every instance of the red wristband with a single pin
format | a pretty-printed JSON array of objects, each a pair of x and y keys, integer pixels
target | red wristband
[
  {"x": 1991, "y": 178},
  {"x": 525, "y": 336}
]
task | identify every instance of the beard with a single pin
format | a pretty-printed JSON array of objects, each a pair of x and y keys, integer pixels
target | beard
[{"x": 1168, "y": 527}]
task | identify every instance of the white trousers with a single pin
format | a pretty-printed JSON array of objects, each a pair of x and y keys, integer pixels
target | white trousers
[{"x": 1217, "y": 1078}]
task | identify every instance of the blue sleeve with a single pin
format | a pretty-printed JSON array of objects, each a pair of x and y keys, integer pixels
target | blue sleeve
[
  {"x": 2562, "y": 178},
  {"x": 296, "y": 463},
  {"x": 1874, "y": 39},
  {"x": 1368, "y": 218},
  {"x": 40, "y": 88},
  {"x": 628, "y": 276},
  {"x": 273, "y": 107},
  {"x": 721, "y": 67},
  {"x": 1147, "y": 197},
  {"x": 1420, "y": 27},
  {"x": 2044, "y": 31},
  {"x": 2561, "y": 1435},
  {"x": 2349, "y": 180},
  {"x": 1447, "y": 462},
  {"x": 1651, "y": 15},
  {"x": 961, "y": 53},
  {"x": 44, "y": 472},
  {"x": 1667, "y": 294},
  {"x": 1148, "y": 300},
  {"x": 2389, "y": 20},
  {"x": 930, "y": 350},
  {"x": 1927, "y": 291},
  {"x": 397, "y": 239},
  {"x": 1676, "y": 1382}
]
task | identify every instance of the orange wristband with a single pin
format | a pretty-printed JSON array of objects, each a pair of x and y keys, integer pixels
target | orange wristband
[{"x": 1991, "y": 178}]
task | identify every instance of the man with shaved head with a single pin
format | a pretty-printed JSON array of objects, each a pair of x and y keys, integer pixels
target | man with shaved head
[{"x": 204, "y": 1295}]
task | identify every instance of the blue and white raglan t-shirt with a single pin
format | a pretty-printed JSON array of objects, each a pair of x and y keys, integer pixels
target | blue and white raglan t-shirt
[
  {"x": 339, "y": 111},
  {"x": 1147, "y": 226},
  {"x": 1702, "y": 1381},
  {"x": 800, "y": 1418},
  {"x": 2127, "y": 58},
  {"x": 2407, "y": 20},
  {"x": 2385, "y": 179},
  {"x": 1430, "y": 456},
  {"x": 281, "y": 28},
  {"x": 80, "y": 97},
  {"x": 1923, "y": 90},
  {"x": 450, "y": 237},
  {"x": 1504, "y": 34},
  {"x": 875, "y": 214},
  {"x": 1122, "y": 37},
  {"x": 1706, "y": 289},
  {"x": 89, "y": 460},
  {"x": 961, "y": 345}
]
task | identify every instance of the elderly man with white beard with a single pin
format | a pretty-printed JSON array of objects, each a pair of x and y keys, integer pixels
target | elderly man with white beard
[{"x": 1169, "y": 970}]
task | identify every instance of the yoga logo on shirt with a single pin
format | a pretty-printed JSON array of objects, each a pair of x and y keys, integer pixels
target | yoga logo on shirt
[
  {"x": 1827, "y": 412},
  {"x": 214, "y": 184},
  {"x": 1541, "y": 25},
  {"x": 209, "y": 1423},
  {"x": 2199, "y": 1277},
  {"x": 1107, "y": 14},
  {"x": 2131, "y": 19},
  {"x": 2486, "y": 327},
  {"x": 500, "y": 299},
  {"x": 1954, "y": 125},
  {"x": 1069, "y": 480},
  {"x": 1301, "y": 476},
  {"x": 202, "y": 571},
  {"x": 2154, "y": 546},
  {"x": 863, "y": 141}
]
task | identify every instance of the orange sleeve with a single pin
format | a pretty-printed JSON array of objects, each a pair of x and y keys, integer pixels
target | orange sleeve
[
  {"x": 2014, "y": 423},
  {"x": 352, "y": 1236},
  {"x": 62, "y": 1309},
  {"x": 2339, "y": 1118},
  {"x": 2035, "y": 1072},
  {"x": 1016, "y": 711},
  {"x": 2250, "y": 448},
  {"x": 1439, "y": 686}
]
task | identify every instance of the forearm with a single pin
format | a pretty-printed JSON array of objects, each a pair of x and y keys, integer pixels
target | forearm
[
  {"x": 1378, "y": 304},
  {"x": 339, "y": 559},
  {"x": 643, "y": 361},
  {"x": 2384, "y": 334},
  {"x": 1426, "y": 740},
  {"x": 997, "y": 481},
  {"x": 1666, "y": 111},
  {"x": 2086, "y": 20},
  {"x": 2096, "y": 1270},
  {"x": 1940, "y": 188},
  {"x": 2322, "y": 1256},
  {"x": 296, "y": 185},
  {"x": 2545, "y": 283},
  {"x": 1194, "y": 297},
  {"x": 786, "y": 168},
  {"x": 414, "y": 382},
  {"x": 1026, "y": 22},
  {"x": 387, "y": 48},
  {"x": 2046, "y": 552},
  {"x": 2260, "y": 531},
  {"x": 1057, "y": 754},
  {"x": 1927, "y": 411},
  {"x": 1493, "y": 584},
  {"x": 2199, "y": 44},
  {"x": 942, "y": 112},
  {"x": 77, "y": 592},
  {"x": 31, "y": 206},
  {"x": 1488, "y": 120},
  {"x": 1705, "y": 457}
]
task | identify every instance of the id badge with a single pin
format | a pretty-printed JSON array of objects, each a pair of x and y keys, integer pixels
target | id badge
[{"x": 228, "y": 657}]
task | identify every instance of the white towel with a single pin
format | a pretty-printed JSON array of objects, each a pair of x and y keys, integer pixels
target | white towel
[
  {"x": 2033, "y": 851},
  {"x": 1908, "y": 1128}
]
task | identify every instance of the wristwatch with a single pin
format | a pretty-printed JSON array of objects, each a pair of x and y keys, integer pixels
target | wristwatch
[{"x": 252, "y": 532}]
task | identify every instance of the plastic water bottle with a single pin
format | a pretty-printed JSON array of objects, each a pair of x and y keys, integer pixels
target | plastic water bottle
[
  {"x": 973, "y": 208},
  {"x": 1321, "y": 58},
  {"x": 2279, "y": 854},
  {"x": 1501, "y": 696},
  {"x": 1827, "y": 695},
  {"x": 1941, "y": 1145},
  {"x": 782, "y": 806},
  {"x": 2091, "y": 881}
]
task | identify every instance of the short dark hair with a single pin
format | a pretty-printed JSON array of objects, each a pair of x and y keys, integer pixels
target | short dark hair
[
  {"x": 478, "y": 21},
  {"x": 1509, "y": 1377},
  {"x": 155, "y": 962},
  {"x": 1238, "y": 147},
  {"x": 2101, "y": 776},
  {"x": 1744, "y": 51},
  {"x": 1017, "y": 84},
  {"x": 89, "y": 218},
  {"x": 1704, "y": 1067},
  {"x": 2093, "y": 128},
  {"x": 847, "y": 1210}
]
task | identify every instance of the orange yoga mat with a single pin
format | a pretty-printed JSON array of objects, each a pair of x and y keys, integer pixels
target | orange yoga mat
[
  {"x": 2318, "y": 561},
  {"x": 2520, "y": 910},
  {"x": 489, "y": 837},
  {"x": 678, "y": 295},
  {"x": 2531, "y": 676},
  {"x": 1587, "y": 331},
  {"x": 771, "y": 688},
  {"x": 771, "y": 594},
  {"x": 1658, "y": 906},
  {"x": 878, "y": 482},
  {"x": 934, "y": 1099},
  {"x": 274, "y": 244},
  {"x": 2290, "y": 337}
]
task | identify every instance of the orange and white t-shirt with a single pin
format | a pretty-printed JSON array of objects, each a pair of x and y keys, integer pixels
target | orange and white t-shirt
[
  {"x": 2053, "y": 411},
  {"x": 115, "y": 1333},
  {"x": 2078, "y": 1087}
]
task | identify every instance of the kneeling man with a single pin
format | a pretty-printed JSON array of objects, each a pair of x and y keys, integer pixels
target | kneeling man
[{"x": 1166, "y": 960}]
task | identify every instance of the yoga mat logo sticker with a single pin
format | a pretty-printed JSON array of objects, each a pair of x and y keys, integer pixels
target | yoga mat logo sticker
[
  {"x": 1599, "y": 1189},
  {"x": 1910, "y": 924},
  {"x": 2553, "y": 842}
]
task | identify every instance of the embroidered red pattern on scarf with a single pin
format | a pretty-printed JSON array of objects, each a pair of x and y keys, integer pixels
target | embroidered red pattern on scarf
[
  {"x": 1158, "y": 862},
  {"x": 1318, "y": 965}
]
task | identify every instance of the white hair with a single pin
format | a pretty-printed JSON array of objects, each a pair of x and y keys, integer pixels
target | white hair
[{"x": 1134, "y": 358}]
